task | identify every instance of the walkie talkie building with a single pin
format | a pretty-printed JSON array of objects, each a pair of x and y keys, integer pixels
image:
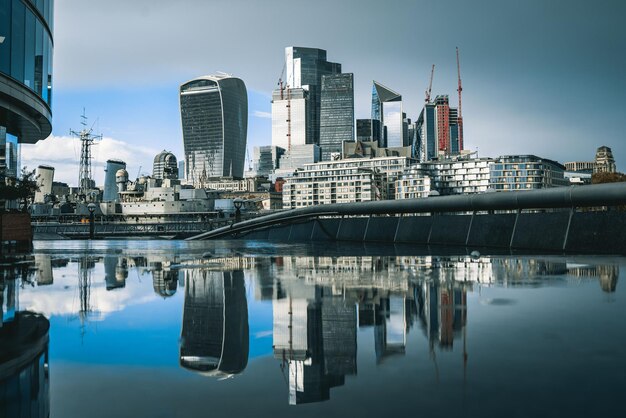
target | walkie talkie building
[{"x": 214, "y": 114}]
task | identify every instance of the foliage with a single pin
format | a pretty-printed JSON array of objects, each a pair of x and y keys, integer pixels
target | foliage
[
  {"x": 23, "y": 189},
  {"x": 598, "y": 178}
]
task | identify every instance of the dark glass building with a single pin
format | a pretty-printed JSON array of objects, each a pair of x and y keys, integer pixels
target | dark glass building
[
  {"x": 337, "y": 113},
  {"x": 305, "y": 68},
  {"x": 387, "y": 109},
  {"x": 214, "y": 113},
  {"x": 215, "y": 334},
  {"x": 25, "y": 74},
  {"x": 368, "y": 130}
]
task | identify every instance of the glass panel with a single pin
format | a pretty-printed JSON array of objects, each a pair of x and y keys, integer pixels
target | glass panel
[
  {"x": 17, "y": 44},
  {"x": 38, "y": 57},
  {"x": 5, "y": 36},
  {"x": 29, "y": 50},
  {"x": 48, "y": 55}
]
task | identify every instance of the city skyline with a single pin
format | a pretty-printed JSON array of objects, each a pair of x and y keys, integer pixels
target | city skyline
[{"x": 526, "y": 91}]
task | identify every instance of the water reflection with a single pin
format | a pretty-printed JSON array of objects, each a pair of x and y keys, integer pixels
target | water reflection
[
  {"x": 214, "y": 337},
  {"x": 320, "y": 306},
  {"x": 24, "y": 379}
]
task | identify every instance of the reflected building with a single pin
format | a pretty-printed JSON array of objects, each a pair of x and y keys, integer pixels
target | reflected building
[
  {"x": 315, "y": 340},
  {"x": 43, "y": 264},
  {"x": 115, "y": 272},
  {"x": 443, "y": 312},
  {"x": 214, "y": 113},
  {"x": 215, "y": 334},
  {"x": 24, "y": 377},
  {"x": 164, "y": 280}
]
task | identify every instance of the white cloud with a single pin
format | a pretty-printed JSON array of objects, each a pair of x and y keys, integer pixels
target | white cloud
[
  {"x": 63, "y": 153},
  {"x": 261, "y": 114}
]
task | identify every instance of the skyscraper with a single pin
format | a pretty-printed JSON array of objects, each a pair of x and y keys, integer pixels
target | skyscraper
[
  {"x": 165, "y": 166},
  {"x": 387, "y": 108},
  {"x": 305, "y": 68},
  {"x": 438, "y": 129},
  {"x": 369, "y": 130},
  {"x": 25, "y": 78},
  {"x": 214, "y": 114},
  {"x": 290, "y": 125},
  {"x": 296, "y": 103},
  {"x": 336, "y": 113}
]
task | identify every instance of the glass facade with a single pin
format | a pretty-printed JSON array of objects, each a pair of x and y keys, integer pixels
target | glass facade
[
  {"x": 305, "y": 68},
  {"x": 387, "y": 108},
  {"x": 214, "y": 114},
  {"x": 26, "y": 44},
  {"x": 337, "y": 113}
]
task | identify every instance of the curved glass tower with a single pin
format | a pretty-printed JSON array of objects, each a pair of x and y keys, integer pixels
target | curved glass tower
[
  {"x": 26, "y": 68},
  {"x": 214, "y": 114}
]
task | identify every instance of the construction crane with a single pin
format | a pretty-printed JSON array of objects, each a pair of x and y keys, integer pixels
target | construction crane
[
  {"x": 430, "y": 84},
  {"x": 282, "y": 87},
  {"x": 459, "y": 89}
]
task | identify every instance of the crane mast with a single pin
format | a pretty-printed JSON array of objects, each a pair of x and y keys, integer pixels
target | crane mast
[
  {"x": 430, "y": 84},
  {"x": 459, "y": 89}
]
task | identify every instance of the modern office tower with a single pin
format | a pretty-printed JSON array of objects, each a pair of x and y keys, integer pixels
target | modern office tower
[
  {"x": 368, "y": 130},
  {"x": 110, "y": 192},
  {"x": 181, "y": 169},
  {"x": 339, "y": 336},
  {"x": 25, "y": 72},
  {"x": 387, "y": 108},
  {"x": 298, "y": 157},
  {"x": 214, "y": 114},
  {"x": 265, "y": 159},
  {"x": 438, "y": 130},
  {"x": 290, "y": 124},
  {"x": 165, "y": 166},
  {"x": 214, "y": 336},
  {"x": 605, "y": 163},
  {"x": 44, "y": 177},
  {"x": 336, "y": 113},
  {"x": 427, "y": 133},
  {"x": 304, "y": 69}
]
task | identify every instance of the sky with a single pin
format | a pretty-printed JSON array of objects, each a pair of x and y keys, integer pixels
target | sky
[{"x": 543, "y": 77}]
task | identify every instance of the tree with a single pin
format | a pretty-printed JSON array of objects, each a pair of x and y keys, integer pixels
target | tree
[
  {"x": 598, "y": 178},
  {"x": 23, "y": 189}
]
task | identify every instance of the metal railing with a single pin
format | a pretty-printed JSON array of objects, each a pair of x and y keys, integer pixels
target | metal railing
[{"x": 609, "y": 194}]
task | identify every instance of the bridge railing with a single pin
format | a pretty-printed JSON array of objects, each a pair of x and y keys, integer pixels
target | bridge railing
[{"x": 610, "y": 194}]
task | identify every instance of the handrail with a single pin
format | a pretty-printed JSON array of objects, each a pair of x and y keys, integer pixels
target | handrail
[{"x": 608, "y": 194}]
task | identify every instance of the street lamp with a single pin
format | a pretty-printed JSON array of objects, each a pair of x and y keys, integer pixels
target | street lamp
[{"x": 92, "y": 209}]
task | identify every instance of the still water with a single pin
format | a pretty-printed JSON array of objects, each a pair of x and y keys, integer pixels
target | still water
[{"x": 178, "y": 329}]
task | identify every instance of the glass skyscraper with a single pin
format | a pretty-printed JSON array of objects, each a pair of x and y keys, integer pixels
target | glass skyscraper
[
  {"x": 214, "y": 114},
  {"x": 336, "y": 113},
  {"x": 25, "y": 76},
  {"x": 387, "y": 108},
  {"x": 305, "y": 68}
]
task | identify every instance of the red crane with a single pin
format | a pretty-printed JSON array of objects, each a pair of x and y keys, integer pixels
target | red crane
[{"x": 459, "y": 89}]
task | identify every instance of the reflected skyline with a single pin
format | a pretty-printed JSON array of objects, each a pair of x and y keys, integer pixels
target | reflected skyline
[{"x": 328, "y": 318}]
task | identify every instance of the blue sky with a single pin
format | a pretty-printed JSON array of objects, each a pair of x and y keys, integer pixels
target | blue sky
[{"x": 541, "y": 77}]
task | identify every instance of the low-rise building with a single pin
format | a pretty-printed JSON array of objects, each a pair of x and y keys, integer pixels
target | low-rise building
[{"x": 526, "y": 172}]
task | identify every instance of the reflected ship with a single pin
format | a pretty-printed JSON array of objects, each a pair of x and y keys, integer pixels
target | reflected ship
[{"x": 214, "y": 337}]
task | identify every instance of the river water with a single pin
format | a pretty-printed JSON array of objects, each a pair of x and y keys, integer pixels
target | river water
[{"x": 237, "y": 329}]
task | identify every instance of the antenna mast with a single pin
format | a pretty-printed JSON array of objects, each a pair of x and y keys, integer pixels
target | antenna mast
[
  {"x": 459, "y": 89},
  {"x": 87, "y": 139}
]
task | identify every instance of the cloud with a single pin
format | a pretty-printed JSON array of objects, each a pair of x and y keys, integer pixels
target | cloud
[
  {"x": 261, "y": 114},
  {"x": 63, "y": 153}
]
